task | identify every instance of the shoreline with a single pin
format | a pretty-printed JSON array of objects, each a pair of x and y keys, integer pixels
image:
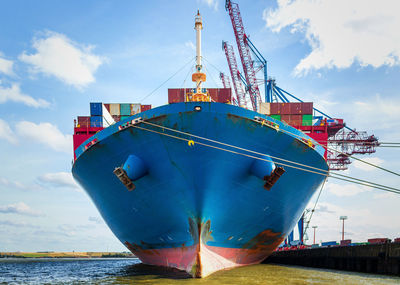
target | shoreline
[{"x": 53, "y": 254}]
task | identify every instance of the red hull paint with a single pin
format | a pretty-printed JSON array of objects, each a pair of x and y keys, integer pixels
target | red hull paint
[{"x": 202, "y": 260}]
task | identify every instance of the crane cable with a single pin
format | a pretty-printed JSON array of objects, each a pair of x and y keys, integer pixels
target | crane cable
[
  {"x": 367, "y": 184},
  {"x": 274, "y": 157}
]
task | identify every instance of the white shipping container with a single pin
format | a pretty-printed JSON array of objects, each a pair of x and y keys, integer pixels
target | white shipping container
[
  {"x": 135, "y": 108},
  {"x": 265, "y": 108},
  {"x": 114, "y": 109},
  {"x": 107, "y": 118}
]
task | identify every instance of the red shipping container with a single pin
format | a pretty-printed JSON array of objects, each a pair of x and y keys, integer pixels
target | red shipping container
[
  {"x": 345, "y": 242},
  {"x": 275, "y": 108},
  {"x": 176, "y": 96},
  {"x": 397, "y": 240},
  {"x": 107, "y": 107},
  {"x": 307, "y": 108},
  {"x": 224, "y": 95},
  {"x": 295, "y": 108},
  {"x": 296, "y": 120},
  {"x": 83, "y": 121},
  {"x": 213, "y": 94},
  {"x": 145, "y": 108},
  {"x": 377, "y": 240},
  {"x": 285, "y": 108},
  {"x": 285, "y": 118}
]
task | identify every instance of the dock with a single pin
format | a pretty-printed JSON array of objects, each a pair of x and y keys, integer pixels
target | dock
[{"x": 371, "y": 258}]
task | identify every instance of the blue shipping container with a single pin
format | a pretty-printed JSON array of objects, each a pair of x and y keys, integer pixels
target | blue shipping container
[
  {"x": 96, "y": 109},
  {"x": 125, "y": 109},
  {"x": 328, "y": 243},
  {"x": 96, "y": 121}
]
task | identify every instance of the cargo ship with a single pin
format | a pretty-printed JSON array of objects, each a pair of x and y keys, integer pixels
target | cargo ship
[{"x": 200, "y": 184}]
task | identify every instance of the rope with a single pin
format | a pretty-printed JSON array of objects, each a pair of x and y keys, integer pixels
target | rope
[
  {"x": 370, "y": 184},
  {"x": 274, "y": 157},
  {"x": 141, "y": 100},
  {"x": 315, "y": 205}
]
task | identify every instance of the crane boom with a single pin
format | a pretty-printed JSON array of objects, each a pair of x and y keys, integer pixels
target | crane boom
[
  {"x": 244, "y": 52},
  {"x": 237, "y": 84}
]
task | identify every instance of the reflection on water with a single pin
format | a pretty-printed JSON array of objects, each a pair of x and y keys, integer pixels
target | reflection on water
[{"x": 131, "y": 271}]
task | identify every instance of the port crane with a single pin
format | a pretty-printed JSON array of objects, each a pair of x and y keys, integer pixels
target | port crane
[{"x": 340, "y": 141}]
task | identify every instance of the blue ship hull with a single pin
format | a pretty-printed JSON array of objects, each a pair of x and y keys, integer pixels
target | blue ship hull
[{"x": 198, "y": 206}]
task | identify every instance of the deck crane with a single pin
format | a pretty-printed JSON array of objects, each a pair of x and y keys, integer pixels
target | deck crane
[
  {"x": 244, "y": 52},
  {"x": 236, "y": 80}
]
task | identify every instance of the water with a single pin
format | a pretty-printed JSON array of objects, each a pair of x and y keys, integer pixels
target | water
[{"x": 131, "y": 271}]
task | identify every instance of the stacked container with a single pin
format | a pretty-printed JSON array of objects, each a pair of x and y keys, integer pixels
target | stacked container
[
  {"x": 295, "y": 114},
  {"x": 220, "y": 95}
]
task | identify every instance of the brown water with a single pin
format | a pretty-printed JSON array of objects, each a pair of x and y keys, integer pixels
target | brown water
[
  {"x": 255, "y": 274},
  {"x": 131, "y": 271}
]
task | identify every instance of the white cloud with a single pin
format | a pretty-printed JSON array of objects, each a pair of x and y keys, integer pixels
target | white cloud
[
  {"x": 70, "y": 62},
  {"x": 341, "y": 32},
  {"x": 96, "y": 220},
  {"x": 6, "y": 132},
  {"x": 15, "y": 94},
  {"x": 374, "y": 113},
  {"x": 211, "y": 3},
  {"x": 59, "y": 179},
  {"x": 190, "y": 45},
  {"x": 345, "y": 190},
  {"x": 366, "y": 167},
  {"x": 6, "y": 66},
  {"x": 21, "y": 209},
  {"x": 45, "y": 133}
]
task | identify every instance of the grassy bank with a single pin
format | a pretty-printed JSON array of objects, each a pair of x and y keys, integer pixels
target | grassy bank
[{"x": 53, "y": 254}]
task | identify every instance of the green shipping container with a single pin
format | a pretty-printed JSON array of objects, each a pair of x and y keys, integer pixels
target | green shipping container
[
  {"x": 276, "y": 117},
  {"x": 307, "y": 120},
  {"x": 125, "y": 109},
  {"x": 124, "y": 117}
]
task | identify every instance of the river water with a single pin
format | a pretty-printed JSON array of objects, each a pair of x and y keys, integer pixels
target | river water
[{"x": 131, "y": 271}]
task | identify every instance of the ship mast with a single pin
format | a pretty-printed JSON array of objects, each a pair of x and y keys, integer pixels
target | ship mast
[{"x": 199, "y": 94}]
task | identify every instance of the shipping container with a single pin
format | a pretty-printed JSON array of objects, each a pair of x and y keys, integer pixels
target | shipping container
[
  {"x": 329, "y": 243},
  {"x": 96, "y": 121},
  {"x": 135, "y": 109},
  {"x": 345, "y": 242},
  {"x": 285, "y": 108},
  {"x": 83, "y": 121},
  {"x": 307, "y": 108},
  {"x": 396, "y": 240},
  {"x": 275, "y": 108},
  {"x": 107, "y": 118},
  {"x": 307, "y": 120},
  {"x": 124, "y": 117},
  {"x": 107, "y": 107},
  {"x": 213, "y": 94},
  {"x": 144, "y": 108},
  {"x": 276, "y": 117},
  {"x": 176, "y": 96},
  {"x": 296, "y": 108},
  {"x": 96, "y": 109},
  {"x": 265, "y": 108},
  {"x": 114, "y": 110},
  {"x": 125, "y": 109},
  {"x": 378, "y": 240},
  {"x": 224, "y": 95}
]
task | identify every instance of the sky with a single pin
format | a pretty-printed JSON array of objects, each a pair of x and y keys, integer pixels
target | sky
[{"x": 57, "y": 56}]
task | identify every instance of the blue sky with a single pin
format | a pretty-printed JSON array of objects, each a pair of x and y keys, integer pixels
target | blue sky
[{"x": 57, "y": 56}]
